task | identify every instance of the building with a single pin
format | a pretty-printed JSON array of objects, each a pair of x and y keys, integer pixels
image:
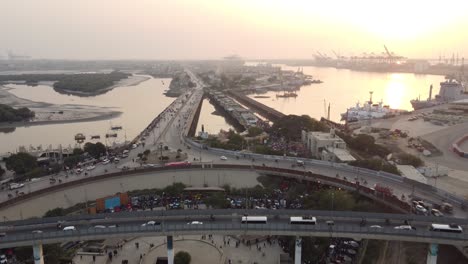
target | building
[{"x": 326, "y": 146}]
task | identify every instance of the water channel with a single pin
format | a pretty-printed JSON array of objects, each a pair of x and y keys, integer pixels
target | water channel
[{"x": 140, "y": 103}]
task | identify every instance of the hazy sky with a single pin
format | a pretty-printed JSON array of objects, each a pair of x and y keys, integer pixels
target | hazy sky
[{"x": 211, "y": 29}]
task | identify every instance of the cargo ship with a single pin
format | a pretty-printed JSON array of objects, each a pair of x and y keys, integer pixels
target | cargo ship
[
  {"x": 450, "y": 90},
  {"x": 370, "y": 110}
]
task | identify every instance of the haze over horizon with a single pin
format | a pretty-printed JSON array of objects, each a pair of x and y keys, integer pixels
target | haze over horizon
[{"x": 254, "y": 29}]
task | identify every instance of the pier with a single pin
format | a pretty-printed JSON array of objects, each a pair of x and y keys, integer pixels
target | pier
[{"x": 260, "y": 108}]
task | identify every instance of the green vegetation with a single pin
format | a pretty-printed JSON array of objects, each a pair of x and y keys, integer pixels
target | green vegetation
[
  {"x": 21, "y": 163},
  {"x": 172, "y": 190},
  {"x": 235, "y": 142},
  {"x": 182, "y": 257},
  {"x": 75, "y": 158},
  {"x": 86, "y": 83},
  {"x": 408, "y": 159},
  {"x": 254, "y": 131},
  {"x": 365, "y": 145},
  {"x": 95, "y": 150},
  {"x": 55, "y": 212},
  {"x": 290, "y": 127},
  {"x": 10, "y": 114},
  {"x": 375, "y": 164}
]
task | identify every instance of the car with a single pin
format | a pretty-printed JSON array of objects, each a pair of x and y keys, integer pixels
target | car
[
  {"x": 300, "y": 163},
  {"x": 195, "y": 223},
  {"x": 330, "y": 223},
  {"x": 223, "y": 158},
  {"x": 99, "y": 226},
  {"x": 436, "y": 212},
  {"x": 351, "y": 243},
  {"x": 134, "y": 146},
  {"x": 123, "y": 156},
  {"x": 69, "y": 228},
  {"x": 420, "y": 209},
  {"x": 116, "y": 160},
  {"x": 152, "y": 223},
  {"x": 3, "y": 259},
  {"x": 14, "y": 186},
  {"x": 79, "y": 170},
  {"x": 405, "y": 227},
  {"x": 375, "y": 227},
  {"x": 37, "y": 232},
  {"x": 106, "y": 161},
  {"x": 2, "y": 234},
  {"x": 90, "y": 168}
]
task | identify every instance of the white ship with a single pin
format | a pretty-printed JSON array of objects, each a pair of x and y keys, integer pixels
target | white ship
[{"x": 369, "y": 110}]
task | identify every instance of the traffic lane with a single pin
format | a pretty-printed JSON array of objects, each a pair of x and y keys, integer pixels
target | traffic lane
[
  {"x": 211, "y": 226},
  {"x": 132, "y": 221}
]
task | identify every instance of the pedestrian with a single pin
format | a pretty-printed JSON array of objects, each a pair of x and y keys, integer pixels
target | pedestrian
[{"x": 141, "y": 257}]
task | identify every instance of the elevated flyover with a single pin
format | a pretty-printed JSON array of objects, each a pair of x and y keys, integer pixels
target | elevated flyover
[
  {"x": 227, "y": 222},
  {"x": 263, "y": 110}
]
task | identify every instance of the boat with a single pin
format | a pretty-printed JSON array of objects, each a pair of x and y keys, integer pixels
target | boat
[
  {"x": 96, "y": 137},
  {"x": 261, "y": 96},
  {"x": 80, "y": 137},
  {"x": 108, "y": 135},
  {"x": 116, "y": 127},
  {"x": 370, "y": 110},
  {"x": 450, "y": 90},
  {"x": 287, "y": 94}
]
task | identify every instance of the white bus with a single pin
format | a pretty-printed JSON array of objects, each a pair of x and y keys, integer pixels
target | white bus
[
  {"x": 452, "y": 228},
  {"x": 302, "y": 220},
  {"x": 254, "y": 219}
]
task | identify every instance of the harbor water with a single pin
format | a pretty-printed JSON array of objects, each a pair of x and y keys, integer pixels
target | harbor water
[
  {"x": 141, "y": 103},
  {"x": 342, "y": 89}
]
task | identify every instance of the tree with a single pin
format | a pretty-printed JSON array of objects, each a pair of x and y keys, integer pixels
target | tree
[
  {"x": 290, "y": 126},
  {"x": 95, "y": 150},
  {"x": 254, "y": 131},
  {"x": 408, "y": 159},
  {"x": 21, "y": 163},
  {"x": 182, "y": 257},
  {"x": 55, "y": 212}
]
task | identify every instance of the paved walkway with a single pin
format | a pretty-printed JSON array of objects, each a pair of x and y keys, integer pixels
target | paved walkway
[{"x": 210, "y": 250}]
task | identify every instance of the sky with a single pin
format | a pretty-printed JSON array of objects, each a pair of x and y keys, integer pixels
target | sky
[{"x": 212, "y": 29}]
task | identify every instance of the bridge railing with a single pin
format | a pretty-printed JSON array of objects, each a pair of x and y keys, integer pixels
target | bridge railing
[
  {"x": 439, "y": 193},
  {"x": 235, "y": 228}
]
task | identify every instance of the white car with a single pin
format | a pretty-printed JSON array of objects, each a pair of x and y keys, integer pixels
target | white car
[
  {"x": 421, "y": 209},
  {"x": 37, "y": 232},
  {"x": 152, "y": 223},
  {"x": 223, "y": 158},
  {"x": 99, "y": 226},
  {"x": 89, "y": 168},
  {"x": 106, "y": 161},
  {"x": 195, "y": 223},
  {"x": 404, "y": 227},
  {"x": 14, "y": 186},
  {"x": 78, "y": 171},
  {"x": 375, "y": 227},
  {"x": 3, "y": 259}
]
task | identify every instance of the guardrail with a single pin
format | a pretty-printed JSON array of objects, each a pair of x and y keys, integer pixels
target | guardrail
[
  {"x": 235, "y": 228},
  {"x": 205, "y": 214},
  {"x": 436, "y": 192}
]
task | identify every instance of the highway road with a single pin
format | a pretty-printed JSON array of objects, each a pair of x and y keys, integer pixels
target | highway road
[{"x": 180, "y": 222}]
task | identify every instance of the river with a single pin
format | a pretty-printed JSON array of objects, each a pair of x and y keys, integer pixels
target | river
[
  {"x": 139, "y": 105},
  {"x": 342, "y": 88}
]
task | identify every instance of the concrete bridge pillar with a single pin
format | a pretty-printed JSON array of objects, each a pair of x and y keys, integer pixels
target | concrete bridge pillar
[
  {"x": 38, "y": 254},
  {"x": 170, "y": 250},
  {"x": 298, "y": 251},
  {"x": 432, "y": 253}
]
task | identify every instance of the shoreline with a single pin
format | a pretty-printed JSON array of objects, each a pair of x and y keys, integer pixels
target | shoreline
[{"x": 104, "y": 116}]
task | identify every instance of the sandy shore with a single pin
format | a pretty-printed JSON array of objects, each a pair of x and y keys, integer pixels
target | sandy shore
[{"x": 52, "y": 113}]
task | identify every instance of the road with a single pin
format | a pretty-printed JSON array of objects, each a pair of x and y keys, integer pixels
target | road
[{"x": 345, "y": 224}]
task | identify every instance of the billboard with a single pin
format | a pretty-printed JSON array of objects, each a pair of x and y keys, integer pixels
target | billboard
[{"x": 112, "y": 202}]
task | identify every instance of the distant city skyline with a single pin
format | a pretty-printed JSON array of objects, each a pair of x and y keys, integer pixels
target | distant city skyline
[{"x": 253, "y": 29}]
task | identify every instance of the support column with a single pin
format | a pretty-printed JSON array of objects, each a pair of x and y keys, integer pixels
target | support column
[
  {"x": 170, "y": 250},
  {"x": 38, "y": 255},
  {"x": 298, "y": 251},
  {"x": 432, "y": 253}
]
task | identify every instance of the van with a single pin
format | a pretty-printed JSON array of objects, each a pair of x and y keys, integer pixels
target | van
[
  {"x": 69, "y": 228},
  {"x": 300, "y": 163}
]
